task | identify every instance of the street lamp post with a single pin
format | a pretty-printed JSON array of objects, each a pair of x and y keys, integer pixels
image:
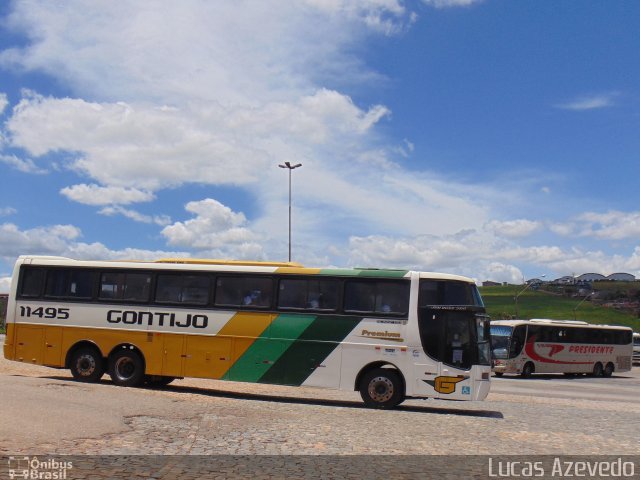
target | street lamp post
[
  {"x": 290, "y": 167},
  {"x": 580, "y": 303},
  {"x": 521, "y": 292}
]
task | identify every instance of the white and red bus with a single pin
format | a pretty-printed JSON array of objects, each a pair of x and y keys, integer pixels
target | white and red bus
[{"x": 532, "y": 346}]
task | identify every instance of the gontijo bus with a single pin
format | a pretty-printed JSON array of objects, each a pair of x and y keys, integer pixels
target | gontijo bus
[
  {"x": 559, "y": 346},
  {"x": 389, "y": 334}
]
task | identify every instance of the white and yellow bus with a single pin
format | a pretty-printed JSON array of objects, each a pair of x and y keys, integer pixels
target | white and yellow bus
[
  {"x": 389, "y": 334},
  {"x": 532, "y": 346}
]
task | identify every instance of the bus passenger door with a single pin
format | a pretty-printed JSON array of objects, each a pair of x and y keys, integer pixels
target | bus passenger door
[
  {"x": 173, "y": 355},
  {"x": 29, "y": 344},
  {"x": 53, "y": 346}
]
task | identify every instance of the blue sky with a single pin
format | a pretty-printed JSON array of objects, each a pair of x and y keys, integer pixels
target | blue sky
[{"x": 495, "y": 139}]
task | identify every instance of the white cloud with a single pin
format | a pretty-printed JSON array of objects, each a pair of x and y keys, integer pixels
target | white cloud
[
  {"x": 482, "y": 255},
  {"x": 563, "y": 229},
  {"x": 514, "y": 228},
  {"x": 97, "y": 195},
  {"x": 6, "y": 211},
  {"x": 134, "y": 215},
  {"x": 228, "y": 51},
  {"x": 5, "y": 284},
  {"x": 591, "y": 102},
  {"x": 500, "y": 272},
  {"x": 4, "y": 102},
  {"x": 63, "y": 240},
  {"x": 450, "y": 3},
  {"x": 215, "y": 229},
  {"x": 149, "y": 147},
  {"x": 612, "y": 225},
  {"x": 43, "y": 240},
  {"x": 219, "y": 95},
  {"x": 201, "y": 108},
  {"x": 24, "y": 165}
]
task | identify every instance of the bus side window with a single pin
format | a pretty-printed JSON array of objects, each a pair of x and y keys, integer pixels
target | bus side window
[
  {"x": 125, "y": 286},
  {"x": 56, "y": 285},
  {"x": 188, "y": 289},
  {"x": 292, "y": 293},
  {"x": 32, "y": 279},
  {"x": 376, "y": 296},
  {"x": 249, "y": 291},
  {"x": 81, "y": 284}
]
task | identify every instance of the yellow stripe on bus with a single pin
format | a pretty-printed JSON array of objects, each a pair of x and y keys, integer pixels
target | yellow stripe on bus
[
  {"x": 245, "y": 328},
  {"x": 300, "y": 270}
]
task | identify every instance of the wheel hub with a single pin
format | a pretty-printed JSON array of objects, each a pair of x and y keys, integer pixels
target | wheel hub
[
  {"x": 86, "y": 365},
  {"x": 380, "y": 389}
]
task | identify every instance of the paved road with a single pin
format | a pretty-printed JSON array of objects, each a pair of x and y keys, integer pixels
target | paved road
[
  {"x": 623, "y": 387},
  {"x": 45, "y": 411}
]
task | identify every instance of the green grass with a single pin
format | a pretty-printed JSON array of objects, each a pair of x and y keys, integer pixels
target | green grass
[{"x": 534, "y": 304}]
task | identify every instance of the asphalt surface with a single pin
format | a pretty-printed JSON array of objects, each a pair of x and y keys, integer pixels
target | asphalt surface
[{"x": 45, "y": 411}]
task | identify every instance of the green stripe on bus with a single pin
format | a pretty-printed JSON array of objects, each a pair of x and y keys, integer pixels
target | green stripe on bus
[
  {"x": 373, "y": 273},
  {"x": 310, "y": 350},
  {"x": 269, "y": 347}
]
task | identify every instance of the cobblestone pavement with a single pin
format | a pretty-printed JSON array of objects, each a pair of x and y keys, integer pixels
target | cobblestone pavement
[{"x": 46, "y": 412}]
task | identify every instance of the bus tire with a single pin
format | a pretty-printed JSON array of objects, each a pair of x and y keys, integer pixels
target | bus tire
[
  {"x": 126, "y": 368},
  {"x": 527, "y": 370},
  {"x": 498, "y": 374},
  {"x": 608, "y": 370},
  {"x": 597, "y": 370},
  {"x": 382, "y": 388},
  {"x": 86, "y": 364}
]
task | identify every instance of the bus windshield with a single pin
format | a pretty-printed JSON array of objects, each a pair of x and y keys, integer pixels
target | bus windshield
[
  {"x": 500, "y": 337},
  {"x": 453, "y": 326}
]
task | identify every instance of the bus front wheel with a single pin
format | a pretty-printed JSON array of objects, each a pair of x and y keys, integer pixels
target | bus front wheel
[
  {"x": 126, "y": 368},
  {"x": 527, "y": 370},
  {"x": 597, "y": 370},
  {"x": 87, "y": 365},
  {"x": 382, "y": 388}
]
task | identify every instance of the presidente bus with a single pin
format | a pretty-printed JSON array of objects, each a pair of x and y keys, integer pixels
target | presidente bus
[
  {"x": 559, "y": 346},
  {"x": 389, "y": 334}
]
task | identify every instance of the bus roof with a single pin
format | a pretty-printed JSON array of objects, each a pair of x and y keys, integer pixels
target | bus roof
[
  {"x": 555, "y": 323},
  {"x": 199, "y": 264}
]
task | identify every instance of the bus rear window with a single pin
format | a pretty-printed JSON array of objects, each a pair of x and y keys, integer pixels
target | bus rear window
[{"x": 31, "y": 282}]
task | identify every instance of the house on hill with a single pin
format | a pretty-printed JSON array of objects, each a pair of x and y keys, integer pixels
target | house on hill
[
  {"x": 590, "y": 277},
  {"x": 566, "y": 280},
  {"x": 621, "y": 277}
]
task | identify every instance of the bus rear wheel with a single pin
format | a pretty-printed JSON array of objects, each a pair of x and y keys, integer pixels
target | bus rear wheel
[
  {"x": 126, "y": 368},
  {"x": 527, "y": 370},
  {"x": 382, "y": 388},
  {"x": 608, "y": 370},
  {"x": 87, "y": 365}
]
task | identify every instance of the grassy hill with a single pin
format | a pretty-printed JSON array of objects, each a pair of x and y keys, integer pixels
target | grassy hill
[{"x": 537, "y": 304}]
